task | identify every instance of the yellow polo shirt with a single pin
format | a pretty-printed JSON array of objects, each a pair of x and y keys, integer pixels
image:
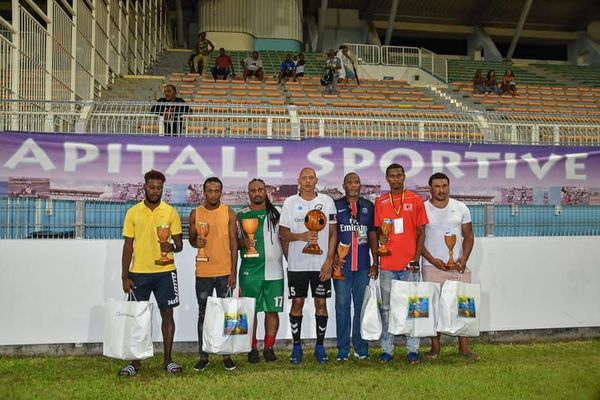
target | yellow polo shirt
[{"x": 140, "y": 224}]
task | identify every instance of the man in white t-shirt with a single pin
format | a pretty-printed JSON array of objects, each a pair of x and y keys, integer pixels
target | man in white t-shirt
[
  {"x": 306, "y": 270},
  {"x": 446, "y": 216}
]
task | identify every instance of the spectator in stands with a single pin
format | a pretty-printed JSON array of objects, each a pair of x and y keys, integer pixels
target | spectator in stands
[
  {"x": 300, "y": 64},
  {"x": 287, "y": 69},
  {"x": 172, "y": 113},
  {"x": 478, "y": 82},
  {"x": 203, "y": 49},
  {"x": 508, "y": 83},
  {"x": 347, "y": 63},
  {"x": 253, "y": 66},
  {"x": 332, "y": 67},
  {"x": 223, "y": 65},
  {"x": 491, "y": 86}
]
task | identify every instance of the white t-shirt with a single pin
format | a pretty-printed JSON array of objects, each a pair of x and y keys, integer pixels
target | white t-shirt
[
  {"x": 445, "y": 220},
  {"x": 293, "y": 211}
]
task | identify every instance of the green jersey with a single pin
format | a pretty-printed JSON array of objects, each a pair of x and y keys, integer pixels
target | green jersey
[{"x": 270, "y": 255}]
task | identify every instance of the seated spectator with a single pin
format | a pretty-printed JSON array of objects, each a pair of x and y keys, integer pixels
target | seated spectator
[
  {"x": 332, "y": 66},
  {"x": 253, "y": 66},
  {"x": 172, "y": 113},
  {"x": 508, "y": 83},
  {"x": 491, "y": 86},
  {"x": 223, "y": 66},
  {"x": 287, "y": 69},
  {"x": 203, "y": 49},
  {"x": 300, "y": 63},
  {"x": 478, "y": 82}
]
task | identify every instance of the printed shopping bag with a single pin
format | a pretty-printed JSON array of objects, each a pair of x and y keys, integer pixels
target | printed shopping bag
[
  {"x": 459, "y": 309},
  {"x": 414, "y": 308},
  {"x": 128, "y": 330},
  {"x": 228, "y": 325},
  {"x": 370, "y": 317}
]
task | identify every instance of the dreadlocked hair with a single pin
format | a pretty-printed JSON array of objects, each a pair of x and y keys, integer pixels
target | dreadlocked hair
[{"x": 272, "y": 212}]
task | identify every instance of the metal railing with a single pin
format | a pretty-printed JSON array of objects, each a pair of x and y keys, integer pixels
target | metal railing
[
  {"x": 35, "y": 218},
  {"x": 68, "y": 52},
  {"x": 403, "y": 56},
  {"x": 295, "y": 122}
]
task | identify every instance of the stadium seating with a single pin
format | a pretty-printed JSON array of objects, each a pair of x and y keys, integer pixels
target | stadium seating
[
  {"x": 464, "y": 70},
  {"x": 586, "y": 75}
]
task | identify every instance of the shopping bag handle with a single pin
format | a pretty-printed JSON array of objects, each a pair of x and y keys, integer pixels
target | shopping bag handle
[{"x": 130, "y": 295}]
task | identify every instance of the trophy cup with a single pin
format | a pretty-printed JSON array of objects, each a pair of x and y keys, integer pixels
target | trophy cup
[
  {"x": 163, "y": 232},
  {"x": 202, "y": 230},
  {"x": 314, "y": 221},
  {"x": 342, "y": 251},
  {"x": 386, "y": 229},
  {"x": 250, "y": 225},
  {"x": 450, "y": 240}
]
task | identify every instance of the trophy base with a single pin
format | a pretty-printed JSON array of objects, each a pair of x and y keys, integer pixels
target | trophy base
[
  {"x": 164, "y": 261},
  {"x": 312, "y": 249},
  {"x": 453, "y": 267},
  {"x": 338, "y": 276},
  {"x": 201, "y": 259},
  {"x": 251, "y": 255}
]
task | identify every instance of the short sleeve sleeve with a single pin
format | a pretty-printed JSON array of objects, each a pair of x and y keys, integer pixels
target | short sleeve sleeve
[
  {"x": 286, "y": 216},
  {"x": 175, "y": 223},
  {"x": 129, "y": 225}
]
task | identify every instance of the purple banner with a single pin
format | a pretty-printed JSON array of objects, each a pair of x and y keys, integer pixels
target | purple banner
[{"x": 111, "y": 167}]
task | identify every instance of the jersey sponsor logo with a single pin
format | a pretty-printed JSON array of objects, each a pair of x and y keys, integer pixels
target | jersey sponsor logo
[
  {"x": 364, "y": 210},
  {"x": 352, "y": 228},
  {"x": 299, "y": 207},
  {"x": 342, "y": 210}
]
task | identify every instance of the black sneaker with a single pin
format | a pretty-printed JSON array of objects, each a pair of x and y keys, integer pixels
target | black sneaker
[
  {"x": 269, "y": 355},
  {"x": 228, "y": 364},
  {"x": 253, "y": 357},
  {"x": 201, "y": 365}
]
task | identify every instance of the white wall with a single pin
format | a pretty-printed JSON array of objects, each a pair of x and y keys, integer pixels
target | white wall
[
  {"x": 399, "y": 73},
  {"x": 53, "y": 291}
]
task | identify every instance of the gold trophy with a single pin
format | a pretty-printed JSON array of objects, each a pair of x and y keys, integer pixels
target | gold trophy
[
  {"x": 342, "y": 251},
  {"x": 450, "y": 240},
  {"x": 163, "y": 232},
  {"x": 202, "y": 230},
  {"x": 386, "y": 229},
  {"x": 250, "y": 225},
  {"x": 314, "y": 221}
]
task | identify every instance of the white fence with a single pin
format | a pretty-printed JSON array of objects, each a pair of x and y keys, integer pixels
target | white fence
[
  {"x": 400, "y": 56},
  {"x": 294, "y": 122},
  {"x": 72, "y": 52}
]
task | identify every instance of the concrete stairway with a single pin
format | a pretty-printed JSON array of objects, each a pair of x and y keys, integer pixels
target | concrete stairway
[{"x": 147, "y": 87}]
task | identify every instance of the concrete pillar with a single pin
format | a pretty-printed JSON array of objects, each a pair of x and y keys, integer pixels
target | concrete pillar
[
  {"x": 481, "y": 40},
  {"x": 391, "y": 22},
  {"x": 584, "y": 44}
]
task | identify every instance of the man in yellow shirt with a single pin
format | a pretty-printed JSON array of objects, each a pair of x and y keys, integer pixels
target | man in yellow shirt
[{"x": 141, "y": 273}]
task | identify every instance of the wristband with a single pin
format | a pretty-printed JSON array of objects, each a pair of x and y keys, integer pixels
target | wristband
[{"x": 414, "y": 264}]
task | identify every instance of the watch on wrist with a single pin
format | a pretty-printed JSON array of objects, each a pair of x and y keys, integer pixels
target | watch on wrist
[{"x": 414, "y": 264}]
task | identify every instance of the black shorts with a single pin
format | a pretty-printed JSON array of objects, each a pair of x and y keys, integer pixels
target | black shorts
[
  {"x": 298, "y": 282},
  {"x": 163, "y": 285}
]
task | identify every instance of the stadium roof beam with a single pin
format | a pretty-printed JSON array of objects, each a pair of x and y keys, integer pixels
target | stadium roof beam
[
  {"x": 391, "y": 20},
  {"x": 520, "y": 24},
  {"x": 322, "y": 17}
]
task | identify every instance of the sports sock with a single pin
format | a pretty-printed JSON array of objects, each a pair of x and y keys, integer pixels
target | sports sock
[
  {"x": 321, "y": 327},
  {"x": 254, "y": 342},
  {"x": 296, "y": 325},
  {"x": 269, "y": 341}
]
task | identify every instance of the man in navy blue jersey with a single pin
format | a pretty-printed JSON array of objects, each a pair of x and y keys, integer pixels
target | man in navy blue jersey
[{"x": 355, "y": 227}]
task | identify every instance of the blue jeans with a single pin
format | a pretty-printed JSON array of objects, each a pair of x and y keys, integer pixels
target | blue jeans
[
  {"x": 385, "y": 282},
  {"x": 347, "y": 291}
]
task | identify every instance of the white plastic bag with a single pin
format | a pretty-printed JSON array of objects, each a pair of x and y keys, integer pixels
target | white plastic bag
[
  {"x": 414, "y": 308},
  {"x": 228, "y": 325},
  {"x": 128, "y": 330},
  {"x": 370, "y": 317},
  {"x": 459, "y": 309}
]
